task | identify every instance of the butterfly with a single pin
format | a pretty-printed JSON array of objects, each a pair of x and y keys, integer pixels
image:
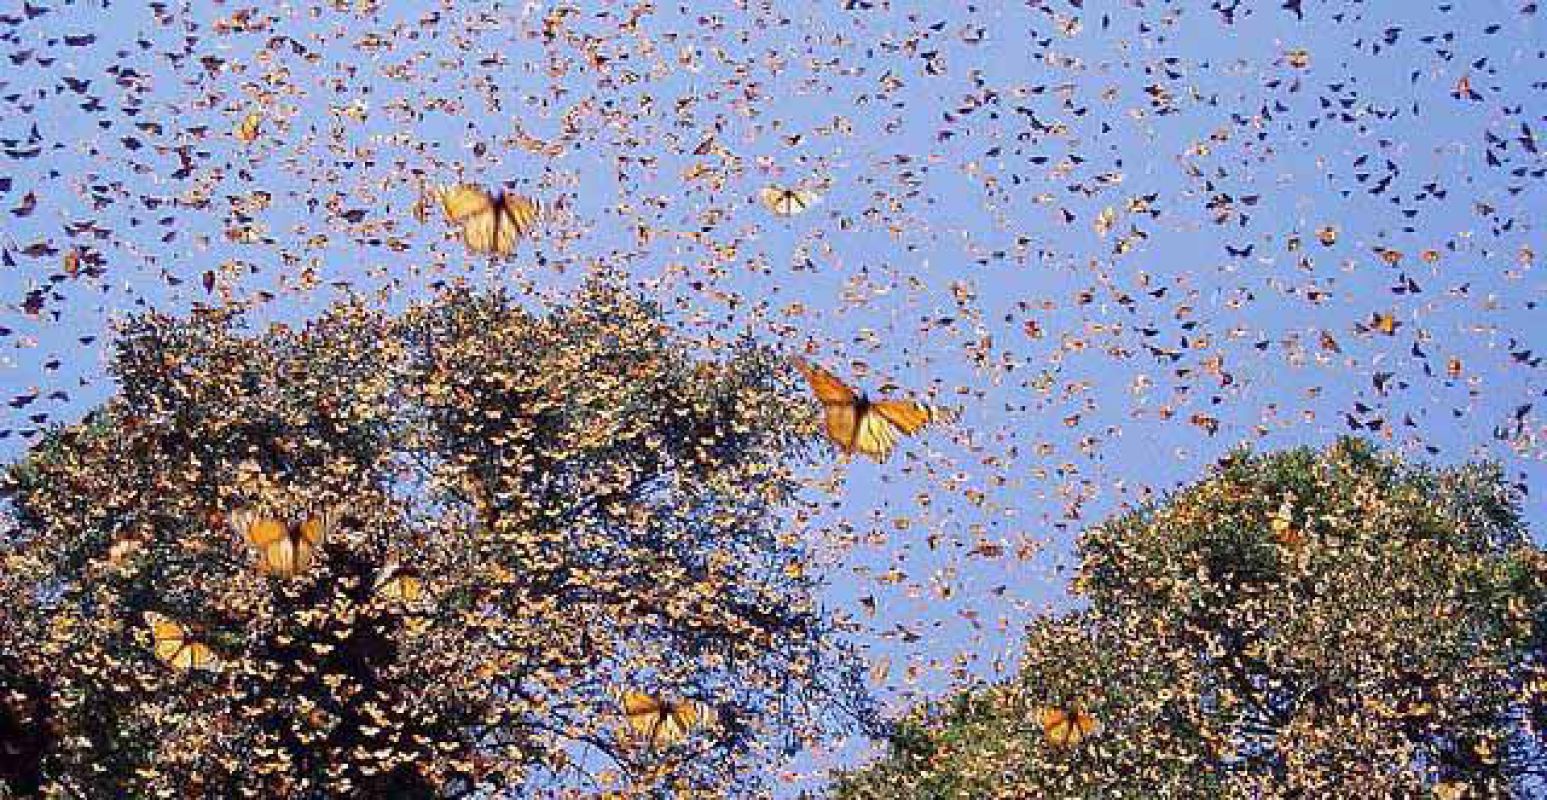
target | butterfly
[
  {"x": 173, "y": 646},
  {"x": 1385, "y": 323},
  {"x": 1451, "y": 790},
  {"x": 787, "y": 202},
  {"x": 491, "y": 223},
  {"x": 400, "y": 583},
  {"x": 1065, "y": 727},
  {"x": 855, "y": 423},
  {"x": 285, "y": 549},
  {"x": 663, "y": 722},
  {"x": 247, "y": 130}
]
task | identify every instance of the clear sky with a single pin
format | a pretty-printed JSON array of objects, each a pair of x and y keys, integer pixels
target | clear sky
[{"x": 966, "y": 156}]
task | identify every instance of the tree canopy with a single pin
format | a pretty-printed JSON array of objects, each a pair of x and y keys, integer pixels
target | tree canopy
[
  {"x": 421, "y": 555},
  {"x": 1301, "y": 624}
]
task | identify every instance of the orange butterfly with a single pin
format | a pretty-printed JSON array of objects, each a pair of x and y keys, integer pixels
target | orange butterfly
[
  {"x": 663, "y": 722},
  {"x": 174, "y": 645},
  {"x": 398, "y": 582},
  {"x": 248, "y": 129},
  {"x": 285, "y": 549},
  {"x": 1065, "y": 727},
  {"x": 857, "y": 424},
  {"x": 490, "y": 222}
]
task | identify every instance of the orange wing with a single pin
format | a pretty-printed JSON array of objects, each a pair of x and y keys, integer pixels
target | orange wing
[
  {"x": 172, "y": 645},
  {"x": 315, "y": 528},
  {"x": 841, "y": 404},
  {"x": 828, "y": 388},
  {"x": 843, "y": 425},
  {"x": 908, "y": 416},
  {"x": 284, "y": 550},
  {"x": 884, "y": 422},
  {"x": 521, "y": 213},
  {"x": 644, "y": 713},
  {"x": 260, "y": 531},
  {"x": 1065, "y": 727},
  {"x": 875, "y": 435}
]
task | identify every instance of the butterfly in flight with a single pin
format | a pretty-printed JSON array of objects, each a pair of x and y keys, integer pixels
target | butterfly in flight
[
  {"x": 491, "y": 223},
  {"x": 174, "y": 646},
  {"x": 856, "y": 423},
  {"x": 662, "y": 722},
  {"x": 785, "y": 201},
  {"x": 285, "y": 549},
  {"x": 1065, "y": 727},
  {"x": 248, "y": 129}
]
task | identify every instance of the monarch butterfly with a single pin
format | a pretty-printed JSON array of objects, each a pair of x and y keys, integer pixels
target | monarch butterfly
[
  {"x": 400, "y": 583},
  {"x": 1451, "y": 790},
  {"x": 855, "y": 423},
  {"x": 491, "y": 223},
  {"x": 787, "y": 202},
  {"x": 285, "y": 550},
  {"x": 171, "y": 643},
  {"x": 1065, "y": 727},
  {"x": 663, "y": 722},
  {"x": 247, "y": 130}
]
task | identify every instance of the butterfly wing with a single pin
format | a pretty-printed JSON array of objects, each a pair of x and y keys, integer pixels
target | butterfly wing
[
  {"x": 396, "y": 582},
  {"x": 676, "y": 721},
  {"x": 167, "y": 636},
  {"x": 828, "y": 388},
  {"x": 195, "y": 655},
  {"x": 1084, "y": 725},
  {"x": 1065, "y": 727},
  {"x": 885, "y": 421},
  {"x": 465, "y": 201},
  {"x": 786, "y": 202},
  {"x": 772, "y": 198},
  {"x": 173, "y": 647},
  {"x": 800, "y": 200},
  {"x": 315, "y": 528},
  {"x": 259, "y": 531},
  {"x": 294, "y": 550},
  {"x": 842, "y": 422},
  {"x": 247, "y": 130},
  {"x": 404, "y": 587},
  {"x": 520, "y": 215},
  {"x": 474, "y": 210},
  {"x": 503, "y": 233},
  {"x": 643, "y": 712},
  {"x": 908, "y": 416},
  {"x": 1055, "y": 725},
  {"x": 839, "y": 402},
  {"x": 874, "y": 435}
]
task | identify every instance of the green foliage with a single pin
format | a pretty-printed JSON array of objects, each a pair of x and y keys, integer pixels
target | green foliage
[
  {"x": 1302, "y": 624},
  {"x": 589, "y": 506}
]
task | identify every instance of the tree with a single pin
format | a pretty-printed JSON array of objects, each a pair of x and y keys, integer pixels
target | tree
[
  {"x": 521, "y": 516},
  {"x": 1302, "y": 624}
]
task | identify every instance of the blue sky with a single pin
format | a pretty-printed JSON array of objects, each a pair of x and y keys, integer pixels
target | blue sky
[{"x": 959, "y": 217}]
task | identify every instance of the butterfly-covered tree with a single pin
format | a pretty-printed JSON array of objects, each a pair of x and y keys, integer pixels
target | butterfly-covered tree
[
  {"x": 1302, "y": 624},
  {"x": 468, "y": 550}
]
